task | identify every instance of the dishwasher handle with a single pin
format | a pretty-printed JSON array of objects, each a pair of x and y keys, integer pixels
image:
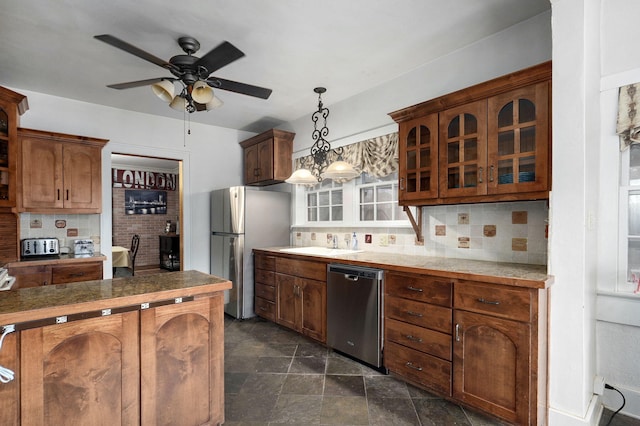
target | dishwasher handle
[{"x": 351, "y": 277}]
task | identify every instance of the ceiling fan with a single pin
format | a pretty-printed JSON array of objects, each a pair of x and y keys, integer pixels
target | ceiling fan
[{"x": 192, "y": 72}]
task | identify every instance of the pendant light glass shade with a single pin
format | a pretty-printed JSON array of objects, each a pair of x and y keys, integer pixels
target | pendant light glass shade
[
  {"x": 302, "y": 177},
  {"x": 340, "y": 170},
  {"x": 201, "y": 92},
  {"x": 164, "y": 90},
  {"x": 178, "y": 103},
  {"x": 215, "y": 102}
]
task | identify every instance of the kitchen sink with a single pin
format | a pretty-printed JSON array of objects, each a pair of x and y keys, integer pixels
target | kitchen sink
[{"x": 320, "y": 251}]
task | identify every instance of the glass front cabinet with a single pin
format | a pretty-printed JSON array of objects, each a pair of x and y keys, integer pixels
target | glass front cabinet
[
  {"x": 11, "y": 106},
  {"x": 489, "y": 142}
]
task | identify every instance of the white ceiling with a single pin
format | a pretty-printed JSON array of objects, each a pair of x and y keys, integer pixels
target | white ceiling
[{"x": 291, "y": 46}]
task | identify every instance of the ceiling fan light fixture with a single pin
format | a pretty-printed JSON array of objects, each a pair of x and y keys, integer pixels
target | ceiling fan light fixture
[
  {"x": 179, "y": 103},
  {"x": 302, "y": 177},
  {"x": 214, "y": 103},
  {"x": 164, "y": 89},
  {"x": 201, "y": 92}
]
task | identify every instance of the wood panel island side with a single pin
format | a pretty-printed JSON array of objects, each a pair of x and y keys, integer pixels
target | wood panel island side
[{"x": 137, "y": 350}]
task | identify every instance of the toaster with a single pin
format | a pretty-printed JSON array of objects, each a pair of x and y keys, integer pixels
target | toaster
[{"x": 40, "y": 247}]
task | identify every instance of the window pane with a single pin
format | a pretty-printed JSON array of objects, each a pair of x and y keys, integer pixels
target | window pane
[
  {"x": 634, "y": 165},
  {"x": 323, "y": 198},
  {"x": 323, "y": 214},
  {"x": 634, "y": 213},
  {"x": 366, "y": 212},
  {"x": 384, "y": 193},
  {"x": 312, "y": 200},
  {"x": 366, "y": 195},
  {"x": 336, "y": 197},
  {"x": 312, "y": 215},
  {"x": 336, "y": 213},
  {"x": 384, "y": 211}
]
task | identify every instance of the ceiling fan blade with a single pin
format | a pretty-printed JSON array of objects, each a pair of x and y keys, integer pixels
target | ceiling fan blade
[
  {"x": 138, "y": 83},
  {"x": 129, "y": 48},
  {"x": 219, "y": 56},
  {"x": 242, "y": 88}
]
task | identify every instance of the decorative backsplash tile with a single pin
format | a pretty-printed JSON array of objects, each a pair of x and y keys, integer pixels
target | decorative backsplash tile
[{"x": 502, "y": 232}]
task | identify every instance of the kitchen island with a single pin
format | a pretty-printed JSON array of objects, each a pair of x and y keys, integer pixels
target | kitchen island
[{"x": 136, "y": 350}]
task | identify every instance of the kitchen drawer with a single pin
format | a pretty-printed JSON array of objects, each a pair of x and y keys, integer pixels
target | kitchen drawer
[
  {"x": 501, "y": 301},
  {"x": 422, "y": 339},
  {"x": 265, "y": 308},
  {"x": 421, "y": 288},
  {"x": 265, "y": 277},
  {"x": 61, "y": 274},
  {"x": 426, "y": 370},
  {"x": 265, "y": 262},
  {"x": 267, "y": 292},
  {"x": 418, "y": 313},
  {"x": 302, "y": 268}
]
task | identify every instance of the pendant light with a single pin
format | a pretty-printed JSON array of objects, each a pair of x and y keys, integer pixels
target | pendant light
[{"x": 340, "y": 170}]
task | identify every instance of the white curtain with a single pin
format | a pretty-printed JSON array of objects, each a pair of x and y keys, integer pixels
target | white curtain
[
  {"x": 628, "y": 126},
  {"x": 377, "y": 156}
]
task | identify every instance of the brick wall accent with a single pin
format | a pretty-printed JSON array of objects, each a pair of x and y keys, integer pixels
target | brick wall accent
[{"x": 148, "y": 226}]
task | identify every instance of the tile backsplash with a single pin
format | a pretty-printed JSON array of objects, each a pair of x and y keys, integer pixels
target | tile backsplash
[
  {"x": 36, "y": 225},
  {"x": 500, "y": 232}
]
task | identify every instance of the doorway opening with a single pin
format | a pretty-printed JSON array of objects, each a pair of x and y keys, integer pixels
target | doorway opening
[{"x": 146, "y": 195}]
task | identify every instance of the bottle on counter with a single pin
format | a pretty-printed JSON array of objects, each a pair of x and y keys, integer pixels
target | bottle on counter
[{"x": 354, "y": 242}]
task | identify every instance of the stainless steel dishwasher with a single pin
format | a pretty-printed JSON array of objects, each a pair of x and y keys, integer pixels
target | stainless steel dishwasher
[{"x": 354, "y": 312}]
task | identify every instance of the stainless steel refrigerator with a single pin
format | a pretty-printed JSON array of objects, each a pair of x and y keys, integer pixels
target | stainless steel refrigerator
[{"x": 244, "y": 218}]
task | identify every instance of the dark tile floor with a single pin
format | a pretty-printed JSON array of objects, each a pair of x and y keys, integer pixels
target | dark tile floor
[{"x": 275, "y": 376}]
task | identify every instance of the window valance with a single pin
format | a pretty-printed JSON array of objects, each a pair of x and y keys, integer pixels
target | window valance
[
  {"x": 628, "y": 126},
  {"x": 376, "y": 156}
]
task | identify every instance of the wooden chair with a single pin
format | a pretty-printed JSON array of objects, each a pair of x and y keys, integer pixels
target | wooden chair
[{"x": 135, "y": 242}]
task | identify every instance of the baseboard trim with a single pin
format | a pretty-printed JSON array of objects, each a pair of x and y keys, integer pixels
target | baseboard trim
[
  {"x": 591, "y": 418},
  {"x": 612, "y": 400}
]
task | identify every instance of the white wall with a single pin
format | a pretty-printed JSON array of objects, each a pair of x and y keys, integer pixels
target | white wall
[{"x": 211, "y": 158}]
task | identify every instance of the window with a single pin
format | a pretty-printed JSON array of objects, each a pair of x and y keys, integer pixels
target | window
[
  {"x": 630, "y": 217},
  {"x": 324, "y": 202},
  {"x": 378, "y": 198}
]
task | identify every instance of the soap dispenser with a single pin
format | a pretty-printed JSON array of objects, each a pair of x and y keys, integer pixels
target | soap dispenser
[{"x": 354, "y": 242}]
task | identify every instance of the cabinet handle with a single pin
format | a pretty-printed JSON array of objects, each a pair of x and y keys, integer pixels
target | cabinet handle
[
  {"x": 415, "y": 367},
  {"x": 78, "y": 274},
  {"x": 255, "y": 172},
  {"x": 67, "y": 195},
  {"x": 491, "y": 173},
  {"x": 419, "y": 290},
  {"x": 58, "y": 194},
  {"x": 488, "y": 302},
  {"x": 413, "y": 338},
  {"x": 414, "y": 314},
  {"x": 457, "y": 332},
  {"x": 480, "y": 171},
  {"x": 402, "y": 184},
  {"x": 44, "y": 282}
]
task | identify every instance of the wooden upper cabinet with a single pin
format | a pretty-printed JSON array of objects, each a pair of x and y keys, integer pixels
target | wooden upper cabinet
[
  {"x": 60, "y": 172},
  {"x": 12, "y": 105},
  {"x": 418, "y": 158},
  {"x": 267, "y": 157},
  {"x": 493, "y": 142},
  {"x": 463, "y": 150}
]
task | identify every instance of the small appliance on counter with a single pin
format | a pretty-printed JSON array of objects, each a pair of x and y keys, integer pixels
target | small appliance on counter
[
  {"x": 6, "y": 280},
  {"x": 83, "y": 248},
  {"x": 31, "y": 247}
]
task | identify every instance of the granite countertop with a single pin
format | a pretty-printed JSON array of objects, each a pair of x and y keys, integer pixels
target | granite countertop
[
  {"x": 59, "y": 260},
  {"x": 38, "y": 303},
  {"x": 515, "y": 274}
]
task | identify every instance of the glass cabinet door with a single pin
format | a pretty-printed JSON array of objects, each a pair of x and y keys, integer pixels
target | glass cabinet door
[
  {"x": 418, "y": 159},
  {"x": 518, "y": 140},
  {"x": 463, "y": 150}
]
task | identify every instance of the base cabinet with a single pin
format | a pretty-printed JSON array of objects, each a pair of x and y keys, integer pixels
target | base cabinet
[
  {"x": 265, "y": 286},
  {"x": 82, "y": 372},
  {"x": 39, "y": 275},
  {"x": 157, "y": 366}
]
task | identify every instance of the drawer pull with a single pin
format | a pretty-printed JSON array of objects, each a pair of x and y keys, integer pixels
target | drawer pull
[
  {"x": 413, "y": 338},
  {"x": 457, "y": 332},
  {"x": 488, "y": 302},
  {"x": 78, "y": 274},
  {"x": 419, "y": 290},
  {"x": 414, "y": 314},
  {"x": 415, "y": 367}
]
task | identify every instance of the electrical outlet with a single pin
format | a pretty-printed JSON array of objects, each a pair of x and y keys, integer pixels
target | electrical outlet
[{"x": 598, "y": 385}]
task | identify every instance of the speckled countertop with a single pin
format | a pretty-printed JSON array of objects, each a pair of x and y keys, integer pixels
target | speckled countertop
[
  {"x": 37, "y": 303},
  {"x": 61, "y": 259},
  {"x": 515, "y": 274}
]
